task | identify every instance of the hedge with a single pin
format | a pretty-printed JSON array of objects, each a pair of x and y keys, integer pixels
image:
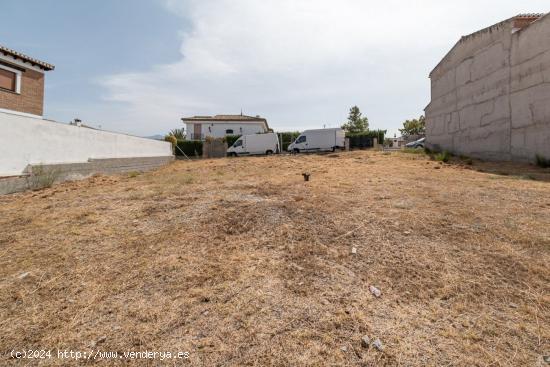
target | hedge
[
  {"x": 287, "y": 138},
  {"x": 191, "y": 148},
  {"x": 231, "y": 139},
  {"x": 379, "y": 134}
]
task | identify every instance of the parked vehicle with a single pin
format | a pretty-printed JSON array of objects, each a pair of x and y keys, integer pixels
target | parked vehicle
[
  {"x": 255, "y": 144},
  {"x": 319, "y": 140},
  {"x": 416, "y": 144}
]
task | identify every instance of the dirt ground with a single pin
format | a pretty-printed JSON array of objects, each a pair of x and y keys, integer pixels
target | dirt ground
[{"x": 240, "y": 262}]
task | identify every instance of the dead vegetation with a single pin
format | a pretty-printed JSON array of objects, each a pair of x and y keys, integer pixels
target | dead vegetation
[{"x": 241, "y": 262}]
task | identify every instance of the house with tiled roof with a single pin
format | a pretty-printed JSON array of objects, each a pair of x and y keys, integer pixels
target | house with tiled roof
[
  {"x": 490, "y": 94},
  {"x": 21, "y": 83},
  {"x": 218, "y": 126}
]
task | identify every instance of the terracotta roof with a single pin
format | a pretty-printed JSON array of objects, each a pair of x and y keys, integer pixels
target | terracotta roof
[
  {"x": 520, "y": 21},
  {"x": 241, "y": 118},
  {"x": 17, "y": 55}
]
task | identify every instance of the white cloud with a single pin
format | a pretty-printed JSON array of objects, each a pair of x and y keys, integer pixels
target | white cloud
[{"x": 300, "y": 63}]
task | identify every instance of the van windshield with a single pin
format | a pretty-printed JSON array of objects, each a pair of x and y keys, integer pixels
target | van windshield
[
  {"x": 301, "y": 139},
  {"x": 238, "y": 143}
]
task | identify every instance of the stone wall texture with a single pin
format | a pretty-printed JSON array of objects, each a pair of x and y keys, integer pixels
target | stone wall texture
[{"x": 491, "y": 95}]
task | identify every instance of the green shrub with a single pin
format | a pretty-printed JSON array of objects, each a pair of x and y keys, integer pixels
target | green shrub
[
  {"x": 542, "y": 162},
  {"x": 171, "y": 139},
  {"x": 191, "y": 148},
  {"x": 445, "y": 156},
  {"x": 42, "y": 178},
  {"x": 231, "y": 139},
  {"x": 379, "y": 134},
  {"x": 287, "y": 138}
]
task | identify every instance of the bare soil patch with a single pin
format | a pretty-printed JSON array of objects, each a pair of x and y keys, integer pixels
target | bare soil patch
[{"x": 241, "y": 262}]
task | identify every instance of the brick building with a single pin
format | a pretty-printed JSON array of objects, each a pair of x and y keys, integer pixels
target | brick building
[{"x": 21, "y": 83}]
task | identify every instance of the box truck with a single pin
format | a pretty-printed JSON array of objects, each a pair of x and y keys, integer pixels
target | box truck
[
  {"x": 255, "y": 144},
  {"x": 319, "y": 140}
]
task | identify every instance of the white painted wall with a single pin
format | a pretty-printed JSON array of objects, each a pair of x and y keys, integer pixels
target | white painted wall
[
  {"x": 217, "y": 129},
  {"x": 27, "y": 140}
]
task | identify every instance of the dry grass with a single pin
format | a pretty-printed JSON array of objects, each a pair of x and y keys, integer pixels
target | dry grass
[{"x": 241, "y": 262}]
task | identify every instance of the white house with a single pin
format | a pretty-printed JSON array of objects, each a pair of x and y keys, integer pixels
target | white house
[{"x": 199, "y": 127}]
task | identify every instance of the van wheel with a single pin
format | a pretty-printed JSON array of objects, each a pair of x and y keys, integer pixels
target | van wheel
[
  {"x": 233, "y": 154},
  {"x": 333, "y": 149},
  {"x": 269, "y": 152},
  {"x": 296, "y": 150}
]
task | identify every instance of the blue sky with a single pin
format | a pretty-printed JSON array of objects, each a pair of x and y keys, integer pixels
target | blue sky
[
  {"x": 139, "y": 66},
  {"x": 87, "y": 40}
]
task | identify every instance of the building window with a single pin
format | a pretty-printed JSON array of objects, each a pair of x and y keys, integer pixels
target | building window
[
  {"x": 10, "y": 79},
  {"x": 229, "y": 131}
]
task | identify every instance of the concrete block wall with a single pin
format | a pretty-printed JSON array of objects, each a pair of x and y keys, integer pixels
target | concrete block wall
[
  {"x": 490, "y": 95},
  {"x": 39, "y": 174},
  {"x": 214, "y": 148},
  {"x": 530, "y": 91}
]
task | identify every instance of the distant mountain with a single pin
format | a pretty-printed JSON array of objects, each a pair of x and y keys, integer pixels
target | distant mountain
[{"x": 155, "y": 137}]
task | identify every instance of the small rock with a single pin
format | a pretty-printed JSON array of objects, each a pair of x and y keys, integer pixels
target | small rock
[
  {"x": 407, "y": 232},
  {"x": 24, "y": 275},
  {"x": 325, "y": 301},
  {"x": 437, "y": 167},
  {"x": 98, "y": 341},
  {"x": 375, "y": 291},
  {"x": 365, "y": 341},
  {"x": 344, "y": 349},
  {"x": 378, "y": 344},
  {"x": 353, "y": 250},
  {"x": 513, "y": 305}
]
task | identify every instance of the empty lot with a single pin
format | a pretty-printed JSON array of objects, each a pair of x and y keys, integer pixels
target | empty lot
[{"x": 241, "y": 262}]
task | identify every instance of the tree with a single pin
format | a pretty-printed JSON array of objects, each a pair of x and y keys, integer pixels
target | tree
[
  {"x": 414, "y": 127},
  {"x": 178, "y": 133},
  {"x": 356, "y": 123}
]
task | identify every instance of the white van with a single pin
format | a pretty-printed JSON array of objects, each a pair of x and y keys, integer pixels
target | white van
[
  {"x": 255, "y": 144},
  {"x": 319, "y": 140}
]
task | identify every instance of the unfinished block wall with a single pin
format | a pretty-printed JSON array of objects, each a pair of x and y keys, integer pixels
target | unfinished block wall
[
  {"x": 490, "y": 95},
  {"x": 530, "y": 91}
]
